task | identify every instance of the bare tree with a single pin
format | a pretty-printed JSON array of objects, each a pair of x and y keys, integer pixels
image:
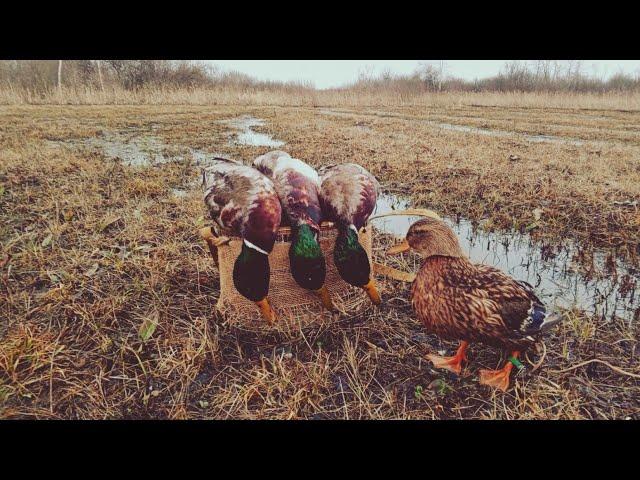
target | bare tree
[
  {"x": 60, "y": 78},
  {"x": 431, "y": 75},
  {"x": 99, "y": 65},
  {"x": 442, "y": 67}
]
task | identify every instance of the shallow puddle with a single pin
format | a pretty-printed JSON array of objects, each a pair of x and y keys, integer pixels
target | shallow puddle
[
  {"x": 141, "y": 149},
  {"x": 138, "y": 150},
  {"x": 592, "y": 285},
  {"x": 463, "y": 128},
  {"x": 504, "y": 133},
  {"x": 245, "y": 135}
]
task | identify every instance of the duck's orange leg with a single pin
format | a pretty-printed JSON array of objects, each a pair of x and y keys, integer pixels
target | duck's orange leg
[
  {"x": 453, "y": 364},
  {"x": 498, "y": 378}
]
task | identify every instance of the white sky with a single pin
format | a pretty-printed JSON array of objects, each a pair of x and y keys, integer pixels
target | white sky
[{"x": 334, "y": 73}]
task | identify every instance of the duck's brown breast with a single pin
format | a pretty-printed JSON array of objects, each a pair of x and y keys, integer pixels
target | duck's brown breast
[{"x": 457, "y": 300}]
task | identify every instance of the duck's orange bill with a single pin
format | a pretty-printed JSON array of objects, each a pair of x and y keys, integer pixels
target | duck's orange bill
[
  {"x": 372, "y": 291},
  {"x": 323, "y": 293},
  {"x": 266, "y": 311},
  {"x": 402, "y": 247}
]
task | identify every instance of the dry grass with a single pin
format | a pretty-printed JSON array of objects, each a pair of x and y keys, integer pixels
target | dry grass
[
  {"x": 107, "y": 293},
  {"x": 583, "y": 190},
  {"x": 256, "y": 96}
]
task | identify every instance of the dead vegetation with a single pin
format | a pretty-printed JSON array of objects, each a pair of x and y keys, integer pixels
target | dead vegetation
[
  {"x": 541, "y": 83},
  {"x": 294, "y": 97},
  {"x": 107, "y": 293}
]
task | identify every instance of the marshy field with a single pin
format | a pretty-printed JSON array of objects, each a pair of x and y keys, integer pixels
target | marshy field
[{"x": 107, "y": 293}]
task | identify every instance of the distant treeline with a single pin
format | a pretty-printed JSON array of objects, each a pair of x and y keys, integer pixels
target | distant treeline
[
  {"x": 537, "y": 76},
  {"x": 45, "y": 76}
]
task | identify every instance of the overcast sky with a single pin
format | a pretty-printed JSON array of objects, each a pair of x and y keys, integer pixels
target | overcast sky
[{"x": 334, "y": 73}]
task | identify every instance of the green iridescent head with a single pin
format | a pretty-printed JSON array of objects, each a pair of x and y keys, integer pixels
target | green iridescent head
[
  {"x": 251, "y": 273},
  {"x": 352, "y": 262},
  {"x": 351, "y": 259},
  {"x": 306, "y": 258}
]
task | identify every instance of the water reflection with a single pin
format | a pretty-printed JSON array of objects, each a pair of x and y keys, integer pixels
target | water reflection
[
  {"x": 244, "y": 134},
  {"x": 564, "y": 275},
  {"x": 138, "y": 150},
  {"x": 461, "y": 128}
]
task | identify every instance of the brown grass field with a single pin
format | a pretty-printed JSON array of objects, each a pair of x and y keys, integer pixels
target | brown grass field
[{"x": 107, "y": 293}]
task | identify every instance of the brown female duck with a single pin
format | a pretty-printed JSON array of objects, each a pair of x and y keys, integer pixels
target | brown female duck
[{"x": 459, "y": 300}]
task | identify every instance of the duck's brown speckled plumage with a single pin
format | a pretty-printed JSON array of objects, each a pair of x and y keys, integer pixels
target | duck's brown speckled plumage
[
  {"x": 297, "y": 185},
  {"x": 459, "y": 300},
  {"x": 243, "y": 201},
  {"x": 348, "y": 194}
]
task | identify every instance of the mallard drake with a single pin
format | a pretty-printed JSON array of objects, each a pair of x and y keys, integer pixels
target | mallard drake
[
  {"x": 298, "y": 185},
  {"x": 244, "y": 202},
  {"x": 459, "y": 300},
  {"x": 348, "y": 195}
]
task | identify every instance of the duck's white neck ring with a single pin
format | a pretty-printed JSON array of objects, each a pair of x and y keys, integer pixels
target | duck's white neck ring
[{"x": 256, "y": 248}]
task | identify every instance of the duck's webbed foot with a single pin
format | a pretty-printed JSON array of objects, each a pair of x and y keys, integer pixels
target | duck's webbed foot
[
  {"x": 266, "y": 310},
  {"x": 498, "y": 378},
  {"x": 372, "y": 291},
  {"x": 454, "y": 363},
  {"x": 325, "y": 298}
]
